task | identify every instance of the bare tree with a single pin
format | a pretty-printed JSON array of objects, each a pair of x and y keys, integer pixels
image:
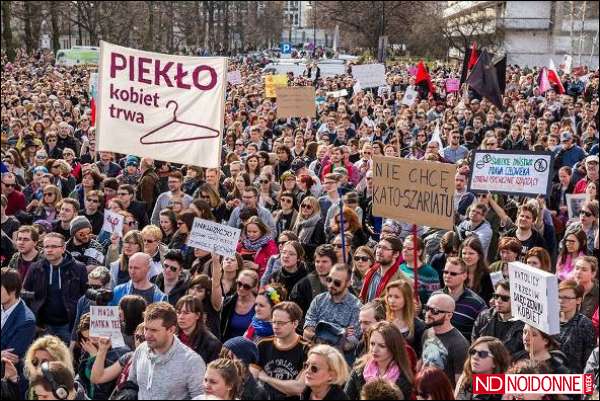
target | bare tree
[{"x": 7, "y": 36}]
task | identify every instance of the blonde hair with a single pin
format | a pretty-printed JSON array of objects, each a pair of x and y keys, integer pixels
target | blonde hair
[
  {"x": 153, "y": 231},
  {"x": 335, "y": 361},
  {"x": 52, "y": 345},
  {"x": 408, "y": 312}
]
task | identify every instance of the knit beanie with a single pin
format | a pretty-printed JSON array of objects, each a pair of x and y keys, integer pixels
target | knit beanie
[
  {"x": 79, "y": 223},
  {"x": 243, "y": 349}
]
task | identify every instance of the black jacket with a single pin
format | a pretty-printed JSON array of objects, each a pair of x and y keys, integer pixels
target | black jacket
[
  {"x": 180, "y": 288},
  {"x": 486, "y": 325},
  {"x": 334, "y": 393},
  {"x": 74, "y": 280},
  {"x": 207, "y": 346},
  {"x": 357, "y": 381},
  {"x": 139, "y": 211}
]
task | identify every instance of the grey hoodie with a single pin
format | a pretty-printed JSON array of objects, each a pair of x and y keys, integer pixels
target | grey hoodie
[{"x": 175, "y": 375}]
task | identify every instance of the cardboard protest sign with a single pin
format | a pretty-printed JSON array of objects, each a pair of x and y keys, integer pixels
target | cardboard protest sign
[
  {"x": 452, "y": 85},
  {"x": 210, "y": 236},
  {"x": 234, "y": 77},
  {"x": 113, "y": 223},
  {"x": 149, "y": 100},
  {"x": 575, "y": 204},
  {"x": 273, "y": 81},
  {"x": 534, "y": 297},
  {"x": 295, "y": 101},
  {"x": 511, "y": 172},
  {"x": 369, "y": 75},
  {"x": 105, "y": 322},
  {"x": 410, "y": 96},
  {"x": 336, "y": 94},
  {"x": 414, "y": 191}
]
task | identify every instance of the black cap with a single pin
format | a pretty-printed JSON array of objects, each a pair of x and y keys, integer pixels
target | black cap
[{"x": 298, "y": 164}]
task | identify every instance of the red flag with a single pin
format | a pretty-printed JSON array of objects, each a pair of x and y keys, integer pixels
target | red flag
[
  {"x": 473, "y": 57},
  {"x": 423, "y": 77},
  {"x": 93, "y": 115},
  {"x": 555, "y": 79}
]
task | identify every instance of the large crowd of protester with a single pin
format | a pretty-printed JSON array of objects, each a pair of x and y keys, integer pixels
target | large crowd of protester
[{"x": 319, "y": 302}]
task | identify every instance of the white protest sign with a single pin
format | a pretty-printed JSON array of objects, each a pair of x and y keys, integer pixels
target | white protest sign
[
  {"x": 113, "y": 223},
  {"x": 511, "y": 172},
  {"x": 369, "y": 75},
  {"x": 382, "y": 90},
  {"x": 234, "y": 77},
  {"x": 161, "y": 106},
  {"x": 534, "y": 297},
  {"x": 356, "y": 88},
  {"x": 105, "y": 322},
  {"x": 336, "y": 94},
  {"x": 210, "y": 236},
  {"x": 409, "y": 96}
]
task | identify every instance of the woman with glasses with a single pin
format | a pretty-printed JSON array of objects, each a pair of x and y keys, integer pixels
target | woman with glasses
[
  {"x": 310, "y": 227},
  {"x": 400, "y": 310},
  {"x": 266, "y": 195},
  {"x": 267, "y": 298},
  {"x": 274, "y": 263},
  {"x": 45, "y": 349},
  {"x": 285, "y": 218},
  {"x": 192, "y": 331},
  {"x": 51, "y": 145},
  {"x": 133, "y": 242},
  {"x": 386, "y": 359},
  {"x": 292, "y": 266},
  {"x": 325, "y": 374},
  {"x": 574, "y": 246},
  {"x": 237, "y": 311},
  {"x": 363, "y": 260},
  {"x": 577, "y": 339},
  {"x": 257, "y": 246},
  {"x": 588, "y": 223},
  {"x": 47, "y": 208},
  {"x": 449, "y": 244},
  {"x": 185, "y": 222},
  {"x": 487, "y": 355},
  {"x": 217, "y": 206},
  {"x": 289, "y": 184}
]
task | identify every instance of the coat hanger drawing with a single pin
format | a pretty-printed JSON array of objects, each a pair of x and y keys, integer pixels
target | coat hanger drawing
[{"x": 214, "y": 133}]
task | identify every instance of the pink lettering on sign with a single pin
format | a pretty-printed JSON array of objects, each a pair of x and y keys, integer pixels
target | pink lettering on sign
[{"x": 148, "y": 71}]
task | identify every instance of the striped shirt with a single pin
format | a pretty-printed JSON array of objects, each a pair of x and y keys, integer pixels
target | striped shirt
[{"x": 468, "y": 307}]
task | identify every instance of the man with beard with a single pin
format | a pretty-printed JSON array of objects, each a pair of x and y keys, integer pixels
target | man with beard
[
  {"x": 388, "y": 258},
  {"x": 443, "y": 345}
]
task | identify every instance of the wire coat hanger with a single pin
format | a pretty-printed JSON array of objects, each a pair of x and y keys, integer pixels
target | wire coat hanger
[{"x": 143, "y": 140}]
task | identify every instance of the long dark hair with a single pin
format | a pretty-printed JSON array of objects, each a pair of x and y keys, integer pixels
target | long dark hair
[
  {"x": 133, "y": 307},
  {"x": 482, "y": 267},
  {"x": 194, "y": 305}
]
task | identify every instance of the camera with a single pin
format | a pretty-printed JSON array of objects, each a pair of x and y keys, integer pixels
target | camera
[{"x": 101, "y": 296}]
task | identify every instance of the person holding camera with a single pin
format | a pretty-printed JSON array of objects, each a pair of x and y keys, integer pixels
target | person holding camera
[{"x": 98, "y": 293}]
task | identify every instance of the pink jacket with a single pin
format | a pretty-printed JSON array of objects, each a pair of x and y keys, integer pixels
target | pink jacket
[{"x": 262, "y": 257}]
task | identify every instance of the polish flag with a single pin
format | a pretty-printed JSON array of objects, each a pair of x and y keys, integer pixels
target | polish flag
[{"x": 555, "y": 79}]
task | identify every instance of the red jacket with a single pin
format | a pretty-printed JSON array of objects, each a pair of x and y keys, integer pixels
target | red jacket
[{"x": 261, "y": 257}]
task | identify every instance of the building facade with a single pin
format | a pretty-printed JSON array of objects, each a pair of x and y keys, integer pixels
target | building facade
[{"x": 530, "y": 32}]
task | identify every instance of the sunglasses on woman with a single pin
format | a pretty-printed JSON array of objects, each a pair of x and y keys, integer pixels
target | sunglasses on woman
[
  {"x": 245, "y": 286},
  {"x": 313, "y": 368},
  {"x": 480, "y": 354},
  {"x": 362, "y": 259}
]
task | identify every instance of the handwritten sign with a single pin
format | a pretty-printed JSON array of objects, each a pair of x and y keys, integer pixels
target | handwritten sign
[
  {"x": 534, "y": 297},
  {"x": 273, "y": 81},
  {"x": 113, "y": 223},
  {"x": 356, "y": 87},
  {"x": 148, "y": 105},
  {"x": 105, "y": 322},
  {"x": 511, "y": 172},
  {"x": 369, "y": 75},
  {"x": 210, "y": 236},
  {"x": 296, "y": 101},
  {"x": 234, "y": 77},
  {"x": 414, "y": 191},
  {"x": 575, "y": 204},
  {"x": 410, "y": 96},
  {"x": 452, "y": 85}
]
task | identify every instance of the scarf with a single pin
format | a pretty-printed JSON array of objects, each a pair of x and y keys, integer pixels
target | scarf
[
  {"x": 371, "y": 372},
  {"x": 255, "y": 246},
  {"x": 384, "y": 280},
  {"x": 306, "y": 228},
  {"x": 262, "y": 328}
]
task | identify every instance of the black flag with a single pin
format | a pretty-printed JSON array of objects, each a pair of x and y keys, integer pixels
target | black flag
[
  {"x": 484, "y": 80},
  {"x": 465, "y": 68},
  {"x": 501, "y": 74}
]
